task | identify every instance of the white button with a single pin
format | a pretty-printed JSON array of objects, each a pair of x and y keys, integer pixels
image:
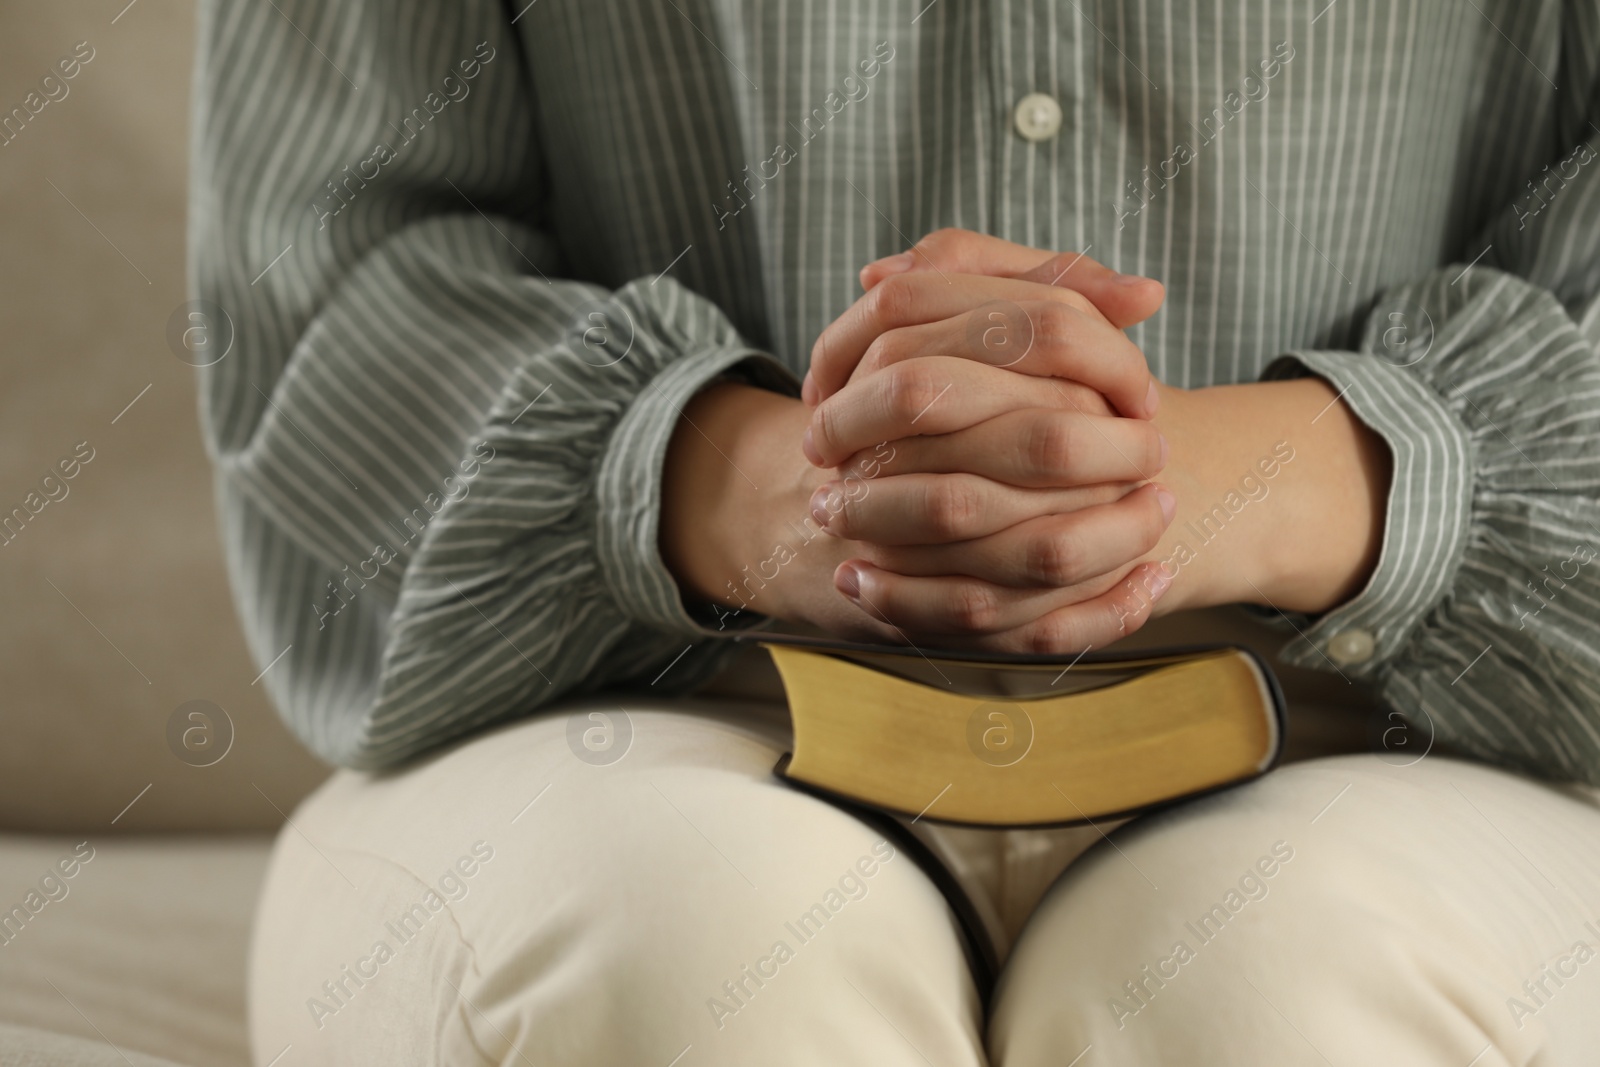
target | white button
[
  {"x": 1038, "y": 117},
  {"x": 1352, "y": 647}
]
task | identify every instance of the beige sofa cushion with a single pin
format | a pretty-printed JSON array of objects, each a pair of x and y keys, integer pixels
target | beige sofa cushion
[
  {"x": 21, "y": 1046},
  {"x": 117, "y": 607},
  {"x": 143, "y": 945}
]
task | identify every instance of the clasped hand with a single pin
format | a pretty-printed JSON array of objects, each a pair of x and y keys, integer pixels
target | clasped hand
[
  {"x": 1018, "y": 497},
  {"x": 982, "y": 458}
]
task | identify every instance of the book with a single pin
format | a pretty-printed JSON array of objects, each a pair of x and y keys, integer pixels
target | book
[{"x": 1013, "y": 741}]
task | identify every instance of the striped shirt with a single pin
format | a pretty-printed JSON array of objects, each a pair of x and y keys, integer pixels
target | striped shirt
[{"x": 476, "y": 257}]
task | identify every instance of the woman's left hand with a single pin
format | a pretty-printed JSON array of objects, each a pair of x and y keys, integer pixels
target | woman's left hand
[{"x": 1280, "y": 490}]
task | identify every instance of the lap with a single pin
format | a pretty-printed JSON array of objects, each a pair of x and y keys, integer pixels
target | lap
[
  {"x": 602, "y": 885},
  {"x": 1338, "y": 910}
]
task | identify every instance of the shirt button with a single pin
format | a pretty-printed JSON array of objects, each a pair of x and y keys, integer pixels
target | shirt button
[
  {"x": 1352, "y": 647},
  {"x": 1038, "y": 117}
]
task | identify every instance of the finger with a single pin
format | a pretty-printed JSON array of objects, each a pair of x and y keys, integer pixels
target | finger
[
  {"x": 946, "y": 605},
  {"x": 927, "y": 509},
  {"x": 1093, "y": 623},
  {"x": 1038, "y": 337},
  {"x": 957, "y": 251},
  {"x": 1039, "y": 448},
  {"x": 912, "y": 299},
  {"x": 1124, "y": 299},
  {"x": 1022, "y": 325},
  {"x": 922, "y": 396},
  {"x": 1050, "y": 551}
]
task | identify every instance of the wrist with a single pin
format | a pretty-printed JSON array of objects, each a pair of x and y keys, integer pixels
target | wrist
[
  {"x": 1203, "y": 547},
  {"x": 733, "y": 475},
  {"x": 1335, "y": 518},
  {"x": 1280, "y": 496}
]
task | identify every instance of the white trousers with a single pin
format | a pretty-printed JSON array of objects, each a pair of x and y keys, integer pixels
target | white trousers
[{"x": 629, "y": 884}]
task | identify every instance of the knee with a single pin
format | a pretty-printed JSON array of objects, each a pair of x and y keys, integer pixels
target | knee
[
  {"x": 1299, "y": 918},
  {"x": 655, "y": 866}
]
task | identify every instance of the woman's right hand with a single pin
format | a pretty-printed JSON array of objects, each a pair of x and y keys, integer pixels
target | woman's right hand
[{"x": 737, "y": 530}]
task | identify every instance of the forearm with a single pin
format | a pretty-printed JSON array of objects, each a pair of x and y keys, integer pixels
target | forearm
[{"x": 1281, "y": 495}]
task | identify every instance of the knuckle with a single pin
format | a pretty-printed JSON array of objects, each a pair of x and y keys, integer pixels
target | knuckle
[
  {"x": 975, "y": 607},
  {"x": 891, "y": 301},
  {"x": 954, "y": 505},
  {"x": 1054, "y": 324},
  {"x": 884, "y": 351},
  {"x": 1127, "y": 611},
  {"x": 1051, "y": 636},
  {"x": 908, "y": 390},
  {"x": 945, "y": 244},
  {"x": 1053, "y": 558},
  {"x": 1050, "y": 445}
]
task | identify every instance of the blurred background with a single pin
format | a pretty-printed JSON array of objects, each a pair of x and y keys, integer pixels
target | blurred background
[{"x": 117, "y": 606}]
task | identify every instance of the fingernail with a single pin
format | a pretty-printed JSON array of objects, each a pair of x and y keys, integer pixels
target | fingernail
[
  {"x": 1131, "y": 279},
  {"x": 819, "y": 506},
  {"x": 810, "y": 449},
  {"x": 898, "y": 263},
  {"x": 1169, "y": 503},
  {"x": 1166, "y": 450},
  {"x": 848, "y": 581},
  {"x": 808, "y": 391},
  {"x": 1152, "y": 399}
]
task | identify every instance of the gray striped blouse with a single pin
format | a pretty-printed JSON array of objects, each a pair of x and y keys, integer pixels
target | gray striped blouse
[{"x": 477, "y": 256}]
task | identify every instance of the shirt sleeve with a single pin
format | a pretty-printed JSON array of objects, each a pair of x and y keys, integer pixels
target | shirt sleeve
[
  {"x": 438, "y": 462},
  {"x": 1483, "y": 613}
]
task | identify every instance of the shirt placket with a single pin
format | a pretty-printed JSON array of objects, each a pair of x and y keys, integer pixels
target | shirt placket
[{"x": 1031, "y": 55}]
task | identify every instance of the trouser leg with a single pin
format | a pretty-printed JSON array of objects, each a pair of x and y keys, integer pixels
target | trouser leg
[
  {"x": 528, "y": 897},
  {"x": 1338, "y": 911}
]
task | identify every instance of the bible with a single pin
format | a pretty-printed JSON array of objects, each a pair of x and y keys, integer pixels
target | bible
[{"x": 1011, "y": 740}]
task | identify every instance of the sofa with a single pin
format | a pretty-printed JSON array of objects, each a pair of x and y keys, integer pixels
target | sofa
[{"x": 119, "y": 609}]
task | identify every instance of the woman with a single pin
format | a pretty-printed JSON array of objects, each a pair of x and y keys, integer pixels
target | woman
[{"x": 523, "y": 296}]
